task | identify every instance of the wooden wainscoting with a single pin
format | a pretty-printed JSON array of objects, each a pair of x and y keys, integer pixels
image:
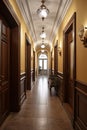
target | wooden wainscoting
[
  {"x": 22, "y": 87},
  {"x": 80, "y": 106},
  {"x": 60, "y": 90},
  {"x": 32, "y": 73}
]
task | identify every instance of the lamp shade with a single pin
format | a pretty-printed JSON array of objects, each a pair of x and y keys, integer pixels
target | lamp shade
[
  {"x": 42, "y": 11},
  {"x": 42, "y": 51},
  {"x": 43, "y": 35},
  {"x": 42, "y": 46}
]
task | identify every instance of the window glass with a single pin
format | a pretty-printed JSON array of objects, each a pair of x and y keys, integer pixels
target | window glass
[{"x": 42, "y": 56}]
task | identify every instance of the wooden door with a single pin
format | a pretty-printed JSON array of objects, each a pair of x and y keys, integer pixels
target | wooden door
[
  {"x": 70, "y": 87},
  {"x": 55, "y": 60},
  {"x": 69, "y": 65},
  {"x": 33, "y": 65},
  {"x": 28, "y": 64},
  {"x": 51, "y": 64},
  {"x": 4, "y": 69}
]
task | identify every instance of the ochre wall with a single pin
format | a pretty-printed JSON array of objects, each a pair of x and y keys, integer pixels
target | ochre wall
[
  {"x": 22, "y": 36},
  {"x": 80, "y": 7}
]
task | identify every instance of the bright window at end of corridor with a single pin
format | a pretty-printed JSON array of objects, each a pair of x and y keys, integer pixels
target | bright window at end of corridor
[{"x": 42, "y": 56}]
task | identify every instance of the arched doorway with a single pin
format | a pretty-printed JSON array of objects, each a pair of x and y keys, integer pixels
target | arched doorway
[{"x": 42, "y": 64}]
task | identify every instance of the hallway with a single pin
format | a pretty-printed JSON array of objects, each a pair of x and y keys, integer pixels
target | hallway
[{"x": 41, "y": 110}]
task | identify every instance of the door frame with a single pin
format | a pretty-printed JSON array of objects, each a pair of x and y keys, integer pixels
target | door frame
[{"x": 72, "y": 22}]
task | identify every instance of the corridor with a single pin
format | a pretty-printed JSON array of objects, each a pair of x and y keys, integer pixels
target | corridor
[{"x": 41, "y": 110}]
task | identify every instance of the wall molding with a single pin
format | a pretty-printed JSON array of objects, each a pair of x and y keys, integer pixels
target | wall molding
[
  {"x": 80, "y": 117},
  {"x": 60, "y": 74},
  {"x": 81, "y": 86},
  {"x": 22, "y": 87}
]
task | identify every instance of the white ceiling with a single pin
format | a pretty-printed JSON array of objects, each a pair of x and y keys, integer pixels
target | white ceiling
[{"x": 57, "y": 12}]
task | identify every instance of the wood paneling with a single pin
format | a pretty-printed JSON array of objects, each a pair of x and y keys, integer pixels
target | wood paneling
[
  {"x": 15, "y": 69},
  {"x": 9, "y": 60},
  {"x": 60, "y": 90},
  {"x": 22, "y": 87},
  {"x": 28, "y": 62},
  {"x": 4, "y": 69},
  {"x": 55, "y": 58},
  {"x": 33, "y": 65},
  {"x": 32, "y": 80},
  {"x": 69, "y": 62},
  {"x": 81, "y": 106}
]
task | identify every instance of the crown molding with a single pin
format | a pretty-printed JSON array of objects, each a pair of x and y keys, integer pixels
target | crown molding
[
  {"x": 61, "y": 12},
  {"x": 25, "y": 10}
]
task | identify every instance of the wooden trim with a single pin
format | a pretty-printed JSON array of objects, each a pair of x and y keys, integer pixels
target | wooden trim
[
  {"x": 56, "y": 58},
  {"x": 28, "y": 62},
  {"x": 9, "y": 13},
  {"x": 69, "y": 27},
  {"x": 22, "y": 87},
  {"x": 81, "y": 91},
  {"x": 33, "y": 65},
  {"x": 80, "y": 120},
  {"x": 72, "y": 21},
  {"x": 27, "y": 38},
  {"x": 82, "y": 86},
  {"x": 22, "y": 75},
  {"x": 60, "y": 74}
]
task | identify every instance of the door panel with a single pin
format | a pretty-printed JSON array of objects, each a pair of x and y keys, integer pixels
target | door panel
[
  {"x": 70, "y": 88},
  {"x": 70, "y": 65},
  {"x": 4, "y": 69},
  {"x": 55, "y": 59},
  {"x": 71, "y": 59},
  {"x": 33, "y": 65},
  {"x": 28, "y": 64}
]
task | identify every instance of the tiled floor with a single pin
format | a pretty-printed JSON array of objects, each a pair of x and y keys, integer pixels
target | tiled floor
[{"x": 40, "y": 111}]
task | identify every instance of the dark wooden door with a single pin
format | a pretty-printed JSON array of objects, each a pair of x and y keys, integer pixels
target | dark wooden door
[
  {"x": 55, "y": 60},
  {"x": 51, "y": 64},
  {"x": 4, "y": 69},
  {"x": 70, "y": 87},
  {"x": 28, "y": 64},
  {"x": 33, "y": 65},
  {"x": 69, "y": 65}
]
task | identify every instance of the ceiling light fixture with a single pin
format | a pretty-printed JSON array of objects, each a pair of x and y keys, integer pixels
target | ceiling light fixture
[
  {"x": 42, "y": 51},
  {"x": 42, "y": 46},
  {"x": 43, "y": 11},
  {"x": 43, "y": 34}
]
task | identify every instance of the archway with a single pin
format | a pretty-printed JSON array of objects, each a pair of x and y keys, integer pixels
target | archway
[{"x": 42, "y": 64}]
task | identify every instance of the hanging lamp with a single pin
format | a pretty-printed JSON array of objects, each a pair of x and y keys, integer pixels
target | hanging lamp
[{"x": 43, "y": 11}]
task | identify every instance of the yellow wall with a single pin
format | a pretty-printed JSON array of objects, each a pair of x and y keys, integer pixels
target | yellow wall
[
  {"x": 80, "y": 7},
  {"x": 22, "y": 35}
]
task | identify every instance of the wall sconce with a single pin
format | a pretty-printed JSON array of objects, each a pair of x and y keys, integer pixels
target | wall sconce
[
  {"x": 59, "y": 51},
  {"x": 83, "y": 35}
]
